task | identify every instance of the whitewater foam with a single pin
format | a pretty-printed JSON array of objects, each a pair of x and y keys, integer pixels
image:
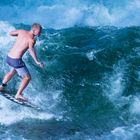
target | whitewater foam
[
  {"x": 12, "y": 113},
  {"x": 5, "y": 39},
  {"x": 135, "y": 105},
  {"x": 115, "y": 84},
  {"x": 74, "y": 13}
]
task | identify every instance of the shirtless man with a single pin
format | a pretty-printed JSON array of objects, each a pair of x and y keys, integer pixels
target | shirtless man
[{"x": 25, "y": 41}]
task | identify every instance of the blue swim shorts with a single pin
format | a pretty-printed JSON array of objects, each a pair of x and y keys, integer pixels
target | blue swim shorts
[{"x": 18, "y": 65}]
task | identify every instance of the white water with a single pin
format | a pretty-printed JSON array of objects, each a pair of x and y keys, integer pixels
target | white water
[{"x": 62, "y": 14}]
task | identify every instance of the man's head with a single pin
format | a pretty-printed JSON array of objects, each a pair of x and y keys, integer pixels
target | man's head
[{"x": 36, "y": 28}]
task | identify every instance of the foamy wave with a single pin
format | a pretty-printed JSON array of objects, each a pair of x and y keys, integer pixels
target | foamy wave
[
  {"x": 11, "y": 113},
  {"x": 135, "y": 105},
  {"x": 128, "y": 133},
  {"x": 5, "y": 42},
  {"x": 5, "y": 39},
  {"x": 63, "y": 15},
  {"x": 114, "y": 85}
]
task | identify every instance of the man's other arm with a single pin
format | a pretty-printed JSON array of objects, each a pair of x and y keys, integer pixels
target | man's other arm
[
  {"x": 33, "y": 54},
  {"x": 14, "y": 33}
]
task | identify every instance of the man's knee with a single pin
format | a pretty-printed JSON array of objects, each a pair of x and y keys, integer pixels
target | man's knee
[
  {"x": 11, "y": 73},
  {"x": 27, "y": 77}
]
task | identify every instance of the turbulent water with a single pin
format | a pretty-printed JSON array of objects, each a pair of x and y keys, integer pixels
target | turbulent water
[{"x": 90, "y": 86}]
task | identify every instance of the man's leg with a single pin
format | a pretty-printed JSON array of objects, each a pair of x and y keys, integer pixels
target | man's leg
[
  {"x": 7, "y": 78},
  {"x": 22, "y": 86},
  {"x": 25, "y": 74}
]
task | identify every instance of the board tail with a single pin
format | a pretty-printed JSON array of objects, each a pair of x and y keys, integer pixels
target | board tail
[{"x": 21, "y": 102}]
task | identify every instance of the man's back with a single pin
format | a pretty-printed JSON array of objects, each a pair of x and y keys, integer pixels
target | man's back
[{"x": 21, "y": 44}]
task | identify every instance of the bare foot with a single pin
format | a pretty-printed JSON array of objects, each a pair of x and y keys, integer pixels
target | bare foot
[
  {"x": 1, "y": 88},
  {"x": 20, "y": 97}
]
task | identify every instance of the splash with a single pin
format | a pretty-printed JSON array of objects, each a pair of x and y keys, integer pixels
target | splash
[{"x": 56, "y": 14}]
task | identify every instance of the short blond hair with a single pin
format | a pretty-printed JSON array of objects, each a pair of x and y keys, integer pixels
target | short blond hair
[{"x": 36, "y": 25}]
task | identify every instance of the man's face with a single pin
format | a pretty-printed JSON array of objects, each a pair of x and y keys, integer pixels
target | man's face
[{"x": 37, "y": 31}]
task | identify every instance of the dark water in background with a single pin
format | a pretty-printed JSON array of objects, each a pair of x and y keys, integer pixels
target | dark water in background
[{"x": 89, "y": 88}]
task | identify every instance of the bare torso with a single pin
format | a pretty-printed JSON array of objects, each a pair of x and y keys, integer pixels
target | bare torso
[{"x": 21, "y": 45}]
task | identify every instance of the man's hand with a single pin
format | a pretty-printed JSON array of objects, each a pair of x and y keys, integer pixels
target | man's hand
[{"x": 41, "y": 65}]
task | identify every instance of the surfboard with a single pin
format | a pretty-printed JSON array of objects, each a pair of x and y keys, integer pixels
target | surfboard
[{"x": 20, "y": 102}]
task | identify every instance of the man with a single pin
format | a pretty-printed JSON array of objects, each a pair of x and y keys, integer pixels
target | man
[{"x": 25, "y": 41}]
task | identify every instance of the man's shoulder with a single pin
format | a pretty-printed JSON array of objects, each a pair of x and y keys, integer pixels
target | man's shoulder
[{"x": 21, "y": 31}]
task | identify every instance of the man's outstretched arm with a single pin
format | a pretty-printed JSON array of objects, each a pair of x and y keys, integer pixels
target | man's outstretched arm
[
  {"x": 14, "y": 33},
  {"x": 33, "y": 54}
]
